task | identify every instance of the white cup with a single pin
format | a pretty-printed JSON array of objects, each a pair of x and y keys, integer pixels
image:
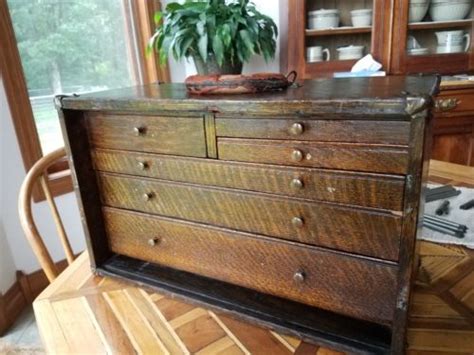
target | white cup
[{"x": 317, "y": 53}]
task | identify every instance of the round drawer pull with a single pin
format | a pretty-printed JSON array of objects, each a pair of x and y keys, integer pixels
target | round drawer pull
[
  {"x": 296, "y": 184},
  {"x": 297, "y": 155},
  {"x": 148, "y": 196},
  {"x": 153, "y": 241},
  {"x": 297, "y": 222},
  {"x": 299, "y": 276},
  {"x": 143, "y": 165},
  {"x": 139, "y": 130},
  {"x": 296, "y": 129}
]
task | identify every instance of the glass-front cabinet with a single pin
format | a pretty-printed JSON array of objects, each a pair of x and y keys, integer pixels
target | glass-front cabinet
[
  {"x": 434, "y": 36},
  {"x": 406, "y": 36}
]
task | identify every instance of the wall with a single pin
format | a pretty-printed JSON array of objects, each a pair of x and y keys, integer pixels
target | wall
[
  {"x": 13, "y": 244},
  {"x": 12, "y": 174}
]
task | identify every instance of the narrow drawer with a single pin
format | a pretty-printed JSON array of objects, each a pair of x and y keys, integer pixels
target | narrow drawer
[
  {"x": 383, "y": 132},
  {"x": 349, "y": 229},
  {"x": 368, "y": 190},
  {"x": 305, "y": 274},
  {"x": 166, "y": 135},
  {"x": 454, "y": 102},
  {"x": 343, "y": 156}
]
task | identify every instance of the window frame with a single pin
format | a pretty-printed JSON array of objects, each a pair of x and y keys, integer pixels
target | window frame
[{"x": 139, "y": 20}]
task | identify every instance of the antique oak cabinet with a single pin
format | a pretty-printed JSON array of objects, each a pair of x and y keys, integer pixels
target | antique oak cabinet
[
  {"x": 388, "y": 39},
  {"x": 297, "y": 209}
]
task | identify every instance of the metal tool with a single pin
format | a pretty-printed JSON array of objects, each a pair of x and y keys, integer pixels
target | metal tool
[
  {"x": 443, "y": 209},
  {"x": 468, "y": 205}
]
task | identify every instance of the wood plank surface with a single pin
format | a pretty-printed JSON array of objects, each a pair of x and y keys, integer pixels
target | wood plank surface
[{"x": 434, "y": 329}]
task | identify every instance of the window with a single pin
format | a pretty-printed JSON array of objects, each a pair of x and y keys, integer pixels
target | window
[{"x": 69, "y": 46}]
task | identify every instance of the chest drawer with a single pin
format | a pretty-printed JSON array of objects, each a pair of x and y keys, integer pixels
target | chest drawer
[
  {"x": 370, "y": 158},
  {"x": 166, "y": 135},
  {"x": 369, "y": 190},
  {"x": 382, "y": 132},
  {"x": 357, "y": 231},
  {"x": 334, "y": 281},
  {"x": 454, "y": 103}
]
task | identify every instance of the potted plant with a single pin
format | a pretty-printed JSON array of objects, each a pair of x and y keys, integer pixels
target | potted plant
[{"x": 219, "y": 35}]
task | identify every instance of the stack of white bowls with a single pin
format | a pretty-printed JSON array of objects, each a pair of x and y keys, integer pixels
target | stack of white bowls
[
  {"x": 418, "y": 10},
  {"x": 361, "y": 18},
  {"x": 323, "y": 19},
  {"x": 450, "y": 10}
]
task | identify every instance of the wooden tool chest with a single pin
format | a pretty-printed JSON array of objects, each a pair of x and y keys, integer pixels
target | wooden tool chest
[{"x": 297, "y": 209}]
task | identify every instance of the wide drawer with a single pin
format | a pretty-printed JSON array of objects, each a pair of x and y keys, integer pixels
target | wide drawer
[
  {"x": 166, "y": 135},
  {"x": 369, "y": 190},
  {"x": 384, "y": 132},
  {"x": 357, "y": 231},
  {"x": 349, "y": 285},
  {"x": 344, "y": 156}
]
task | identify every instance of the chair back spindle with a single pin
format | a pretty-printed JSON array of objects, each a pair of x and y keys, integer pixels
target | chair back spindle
[{"x": 39, "y": 173}]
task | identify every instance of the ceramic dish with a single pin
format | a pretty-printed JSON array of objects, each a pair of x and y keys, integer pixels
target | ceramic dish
[
  {"x": 418, "y": 10},
  {"x": 418, "y": 51},
  {"x": 449, "y": 10},
  {"x": 323, "y": 19},
  {"x": 361, "y": 18},
  {"x": 350, "y": 52}
]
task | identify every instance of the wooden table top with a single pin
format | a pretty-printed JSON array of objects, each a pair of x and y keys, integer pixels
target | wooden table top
[{"x": 83, "y": 313}]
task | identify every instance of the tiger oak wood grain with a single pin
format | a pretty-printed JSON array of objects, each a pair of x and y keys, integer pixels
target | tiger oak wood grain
[
  {"x": 369, "y": 190},
  {"x": 258, "y": 263},
  {"x": 167, "y": 135},
  {"x": 370, "y": 158},
  {"x": 384, "y": 132},
  {"x": 365, "y": 232},
  {"x": 367, "y": 228}
]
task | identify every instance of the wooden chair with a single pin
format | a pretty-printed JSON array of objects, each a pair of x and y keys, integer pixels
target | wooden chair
[{"x": 39, "y": 173}]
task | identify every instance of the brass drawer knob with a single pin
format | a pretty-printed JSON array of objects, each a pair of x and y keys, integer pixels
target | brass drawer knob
[
  {"x": 299, "y": 276},
  {"x": 296, "y": 184},
  {"x": 153, "y": 241},
  {"x": 143, "y": 165},
  {"x": 139, "y": 130},
  {"x": 444, "y": 105},
  {"x": 297, "y": 155},
  {"x": 296, "y": 129},
  {"x": 148, "y": 196},
  {"x": 297, "y": 222}
]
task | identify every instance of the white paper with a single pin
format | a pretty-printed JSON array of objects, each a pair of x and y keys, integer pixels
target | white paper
[{"x": 367, "y": 63}]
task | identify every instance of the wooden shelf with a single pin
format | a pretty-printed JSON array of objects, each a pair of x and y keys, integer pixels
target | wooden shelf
[
  {"x": 338, "y": 31},
  {"x": 441, "y": 24}
]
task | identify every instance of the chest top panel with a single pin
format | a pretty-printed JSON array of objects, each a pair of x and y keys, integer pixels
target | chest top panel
[{"x": 365, "y": 98}]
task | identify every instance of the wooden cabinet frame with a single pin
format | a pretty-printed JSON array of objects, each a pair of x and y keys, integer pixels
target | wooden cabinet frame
[
  {"x": 293, "y": 38},
  {"x": 388, "y": 43},
  {"x": 402, "y": 63}
]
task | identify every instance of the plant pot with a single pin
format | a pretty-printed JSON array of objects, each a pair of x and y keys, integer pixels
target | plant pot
[{"x": 212, "y": 67}]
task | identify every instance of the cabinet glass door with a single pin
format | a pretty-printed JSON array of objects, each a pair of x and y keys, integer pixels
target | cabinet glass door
[
  {"x": 338, "y": 33},
  {"x": 438, "y": 36}
]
